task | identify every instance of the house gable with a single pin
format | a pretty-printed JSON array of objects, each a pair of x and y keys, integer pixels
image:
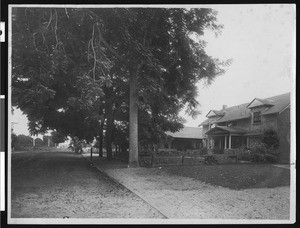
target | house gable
[
  {"x": 267, "y": 106},
  {"x": 255, "y": 103},
  {"x": 214, "y": 113},
  {"x": 259, "y": 103}
]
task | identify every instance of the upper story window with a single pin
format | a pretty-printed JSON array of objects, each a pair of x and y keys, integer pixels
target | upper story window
[{"x": 256, "y": 117}]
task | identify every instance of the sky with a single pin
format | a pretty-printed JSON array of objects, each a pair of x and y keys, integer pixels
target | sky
[{"x": 261, "y": 41}]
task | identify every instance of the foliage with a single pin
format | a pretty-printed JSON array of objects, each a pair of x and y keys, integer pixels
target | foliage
[
  {"x": 261, "y": 153},
  {"x": 13, "y": 140},
  {"x": 217, "y": 150},
  {"x": 22, "y": 142},
  {"x": 203, "y": 151},
  {"x": 210, "y": 160},
  {"x": 270, "y": 139},
  {"x": 57, "y": 137},
  {"x": 76, "y": 144},
  {"x": 71, "y": 68}
]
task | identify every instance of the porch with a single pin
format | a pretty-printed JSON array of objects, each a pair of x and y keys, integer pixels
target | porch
[{"x": 221, "y": 138}]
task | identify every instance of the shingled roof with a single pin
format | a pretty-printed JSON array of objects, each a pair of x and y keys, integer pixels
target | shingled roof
[
  {"x": 279, "y": 102},
  {"x": 232, "y": 130},
  {"x": 276, "y": 104},
  {"x": 187, "y": 132}
]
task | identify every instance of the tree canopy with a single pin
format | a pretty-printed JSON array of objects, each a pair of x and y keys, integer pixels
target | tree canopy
[{"x": 77, "y": 70}]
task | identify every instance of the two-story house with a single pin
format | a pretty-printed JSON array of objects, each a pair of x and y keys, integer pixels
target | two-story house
[{"x": 244, "y": 124}]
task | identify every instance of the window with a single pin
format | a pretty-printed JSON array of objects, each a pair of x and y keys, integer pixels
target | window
[{"x": 256, "y": 117}]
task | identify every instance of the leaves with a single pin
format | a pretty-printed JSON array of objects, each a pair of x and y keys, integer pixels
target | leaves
[{"x": 81, "y": 61}]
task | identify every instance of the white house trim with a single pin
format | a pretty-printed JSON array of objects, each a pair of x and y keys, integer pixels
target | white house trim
[{"x": 284, "y": 109}]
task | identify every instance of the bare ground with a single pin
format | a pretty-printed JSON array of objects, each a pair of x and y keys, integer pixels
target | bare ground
[
  {"x": 62, "y": 184},
  {"x": 181, "y": 197}
]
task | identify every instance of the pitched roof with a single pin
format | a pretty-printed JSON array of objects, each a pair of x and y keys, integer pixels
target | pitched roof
[
  {"x": 279, "y": 103},
  {"x": 222, "y": 129},
  {"x": 187, "y": 132},
  {"x": 259, "y": 102},
  {"x": 235, "y": 113},
  {"x": 241, "y": 111},
  {"x": 216, "y": 113}
]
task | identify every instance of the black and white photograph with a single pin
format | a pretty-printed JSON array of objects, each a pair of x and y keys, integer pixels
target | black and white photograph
[{"x": 151, "y": 114}]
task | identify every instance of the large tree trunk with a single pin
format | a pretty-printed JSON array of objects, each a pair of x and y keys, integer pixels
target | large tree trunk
[
  {"x": 109, "y": 129},
  {"x": 133, "y": 120},
  {"x": 101, "y": 139}
]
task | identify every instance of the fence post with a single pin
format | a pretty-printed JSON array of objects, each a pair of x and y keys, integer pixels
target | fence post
[{"x": 182, "y": 159}]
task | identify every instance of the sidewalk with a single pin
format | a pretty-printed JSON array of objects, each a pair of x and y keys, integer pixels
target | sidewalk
[{"x": 179, "y": 197}]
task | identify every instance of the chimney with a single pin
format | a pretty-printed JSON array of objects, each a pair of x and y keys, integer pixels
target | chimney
[{"x": 224, "y": 107}]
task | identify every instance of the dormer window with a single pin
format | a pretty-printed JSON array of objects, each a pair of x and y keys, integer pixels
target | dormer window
[{"x": 256, "y": 117}]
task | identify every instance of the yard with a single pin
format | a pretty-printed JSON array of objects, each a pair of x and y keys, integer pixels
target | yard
[{"x": 235, "y": 176}]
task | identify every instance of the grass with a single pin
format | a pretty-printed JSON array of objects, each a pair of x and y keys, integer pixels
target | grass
[{"x": 236, "y": 176}]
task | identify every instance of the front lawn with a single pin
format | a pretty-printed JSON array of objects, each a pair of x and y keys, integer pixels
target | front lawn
[{"x": 236, "y": 176}]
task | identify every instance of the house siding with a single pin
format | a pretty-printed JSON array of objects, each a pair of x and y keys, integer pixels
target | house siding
[
  {"x": 278, "y": 121},
  {"x": 186, "y": 144},
  {"x": 284, "y": 135}
]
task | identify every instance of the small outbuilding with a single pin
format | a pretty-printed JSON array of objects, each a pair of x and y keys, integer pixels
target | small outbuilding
[{"x": 188, "y": 138}]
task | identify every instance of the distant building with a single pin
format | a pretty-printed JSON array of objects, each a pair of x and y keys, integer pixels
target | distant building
[
  {"x": 244, "y": 124},
  {"x": 48, "y": 141},
  {"x": 188, "y": 138}
]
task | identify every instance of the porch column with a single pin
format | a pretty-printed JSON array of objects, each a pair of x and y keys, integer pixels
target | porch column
[
  {"x": 225, "y": 146},
  {"x": 229, "y": 142}
]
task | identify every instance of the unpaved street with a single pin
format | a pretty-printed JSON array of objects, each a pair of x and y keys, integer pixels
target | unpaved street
[{"x": 63, "y": 184}]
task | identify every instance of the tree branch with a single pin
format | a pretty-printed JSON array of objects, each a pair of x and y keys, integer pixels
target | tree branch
[{"x": 111, "y": 50}]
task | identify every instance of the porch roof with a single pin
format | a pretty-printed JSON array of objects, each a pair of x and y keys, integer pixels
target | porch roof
[
  {"x": 225, "y": 130},
  {"x": 187, "y": 133}
]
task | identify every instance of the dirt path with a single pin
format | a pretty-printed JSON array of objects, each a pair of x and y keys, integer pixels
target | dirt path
[
  {"x": 180, "y": 197},
  {"x": 62, "y": 184}
]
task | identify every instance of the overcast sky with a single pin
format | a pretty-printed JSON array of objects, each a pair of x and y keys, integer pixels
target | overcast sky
[{"x": 261, "y": 41}]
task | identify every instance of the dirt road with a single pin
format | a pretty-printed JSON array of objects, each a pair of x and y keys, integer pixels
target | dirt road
[{"x": 63, "y": 184}]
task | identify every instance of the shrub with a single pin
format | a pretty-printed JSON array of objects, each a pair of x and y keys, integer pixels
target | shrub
[
  {"x": 244, "y": 153},
  {"x": 210, "y": 160},
  {"x": 270, "y": 139},
  {"x": 217, "y": 150},
  {"x": 260, "y": 152},
  {"x": 202, "y": 151}
]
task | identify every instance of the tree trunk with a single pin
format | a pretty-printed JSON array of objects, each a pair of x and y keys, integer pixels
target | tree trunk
[
  {"x": 101, "y": 139},
  {"x": 109, "y": 129},
  {"x": 133, "y": 120}
]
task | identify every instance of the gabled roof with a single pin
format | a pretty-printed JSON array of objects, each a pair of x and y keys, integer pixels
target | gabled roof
[
  {"x": 260, "y": 102},
  {"x": 215, "y": 113},
  {"x": 224, "y": 130},
  {"x": 187, "y": 132},
  {"x": 279, "y": 102},
  {"x": 205, "y": 122},
  {"x": 274, "y": 105},
  {"x": 235, "y": 113}
]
